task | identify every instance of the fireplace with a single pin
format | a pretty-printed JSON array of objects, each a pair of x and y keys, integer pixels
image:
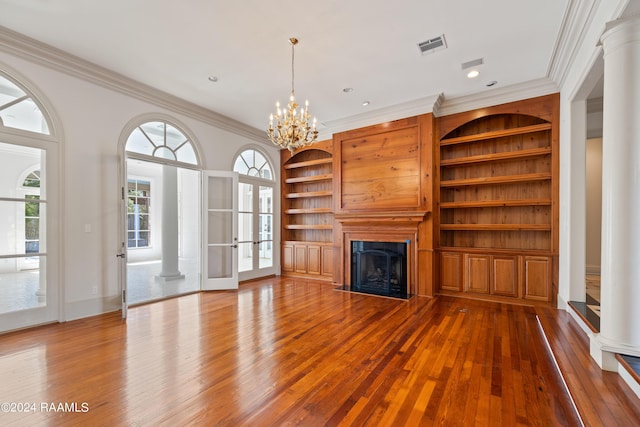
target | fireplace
[{"x": 379, "y": 268}]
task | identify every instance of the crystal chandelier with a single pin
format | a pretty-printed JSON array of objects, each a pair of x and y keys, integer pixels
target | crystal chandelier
[{"x": 292, "y": 129}]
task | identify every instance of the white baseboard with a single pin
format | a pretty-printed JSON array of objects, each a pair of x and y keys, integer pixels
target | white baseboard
[{"x": 91, "y": 307}]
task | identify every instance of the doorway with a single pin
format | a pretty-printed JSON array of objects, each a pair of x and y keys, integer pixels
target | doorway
[{"x": 163, "y": 258}]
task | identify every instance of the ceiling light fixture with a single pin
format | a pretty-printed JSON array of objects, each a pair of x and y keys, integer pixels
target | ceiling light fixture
[
  {"x": 292, "y": 129},
  {"x": 365, "y": 103},
  {"x": 473, "y": 74}
]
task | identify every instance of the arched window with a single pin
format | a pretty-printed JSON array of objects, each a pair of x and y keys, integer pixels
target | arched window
[
  {"x": 253, "y": 163},
  {"x": 162, "y": 140},
  {"x": 19, "y": 110}
]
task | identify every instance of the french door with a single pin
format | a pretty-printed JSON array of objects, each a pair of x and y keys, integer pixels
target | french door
[
  {"x": 220, "y": 230},
  {"x": 28, "y": 256},
  {"x": 256, "y": 228}
]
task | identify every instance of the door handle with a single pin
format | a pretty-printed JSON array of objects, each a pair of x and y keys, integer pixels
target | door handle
[
  {"x": 234, "y": 246},
  {"x": 120, "y": 255}
]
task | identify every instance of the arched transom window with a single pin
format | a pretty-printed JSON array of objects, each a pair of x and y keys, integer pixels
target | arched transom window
[
  {"x": 162, "y": 140},
  {"x": 19, "y": 110},
  {"x": 253, "y": 163}
]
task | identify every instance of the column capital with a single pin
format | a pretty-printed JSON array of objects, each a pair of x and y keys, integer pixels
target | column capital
[{"x": 628, "y": 28}]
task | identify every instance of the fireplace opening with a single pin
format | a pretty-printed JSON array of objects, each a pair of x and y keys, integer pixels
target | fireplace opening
[{"x": 379, "y": 268}]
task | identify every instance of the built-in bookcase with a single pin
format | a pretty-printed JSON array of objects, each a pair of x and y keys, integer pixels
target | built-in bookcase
[
  {"x": 498, "y": 201},
  {"x": 307, "y": 211}
]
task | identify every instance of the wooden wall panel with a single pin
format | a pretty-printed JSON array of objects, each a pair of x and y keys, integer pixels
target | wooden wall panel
[
  {"x": 381, "y": 170},
  {"x": 287, "y": 258},
  {"x": 313, "y": 259},
  {"x": 504, "y": 277},
  {"x": 327, "y": 261},
  {"x": 451, "y": 271},
  {"x": 537, "y": 277},
  {"x": 477, "y": 273}
]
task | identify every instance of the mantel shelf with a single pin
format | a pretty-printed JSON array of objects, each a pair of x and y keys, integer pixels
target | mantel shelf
[
  {"x": 324, "y": 177},
  {"x": 495, "y": 227},
  {"x": 509, "y": 155},
  {"x": 495, "y": 203},
  {"x": 496, "y": 134},
  {"x": 508, "y": 179}
]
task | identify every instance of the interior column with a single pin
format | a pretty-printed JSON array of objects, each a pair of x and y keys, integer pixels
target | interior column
[
  {"x": 170, "y": 262},
  {"x": 620, "y": 273}
]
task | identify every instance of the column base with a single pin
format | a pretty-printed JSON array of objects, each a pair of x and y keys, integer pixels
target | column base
[
  {"x": 604, "y": 351},
  {"x": 169, "y": 278}
]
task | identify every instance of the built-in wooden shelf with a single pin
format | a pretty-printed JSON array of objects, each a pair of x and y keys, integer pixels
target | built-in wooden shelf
[
  {"x": 311, "y": 178},
  {"x": 308, "y": 211},
  {"x": 508, "y": 155},
  {"x": 328, "y": 193},
  {"x": 308, "y": 226},
  {"x": 308, "y": 163},
  {"x": 495, "y": 203},
  {"x": 496, "y": 134},
  {"x": 495, "y": 227},
  {"x": 507, "y": 179}
]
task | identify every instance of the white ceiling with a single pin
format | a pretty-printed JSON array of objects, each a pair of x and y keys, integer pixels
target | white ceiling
[{"x": 368, "y": 45}]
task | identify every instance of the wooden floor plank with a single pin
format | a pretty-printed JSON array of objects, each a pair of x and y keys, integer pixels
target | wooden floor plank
[{"x": 283, "y": 351}]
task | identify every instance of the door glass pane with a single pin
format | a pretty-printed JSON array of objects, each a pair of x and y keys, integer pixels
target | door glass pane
[
  {"x": 21, "y": 289},
  {"x": 266, "y": 227},
  {"x": 220, "y": 262},
  {"x": 266, "y": 254},
  {"x": 219, "y": 230},
  {"x": 245, "y": 197},
  {"x": 245, "y": 256},
  {"x": 220, "y": 193}
]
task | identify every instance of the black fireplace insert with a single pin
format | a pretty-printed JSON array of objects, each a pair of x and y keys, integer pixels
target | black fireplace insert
[{"x": 379, "y": 268}]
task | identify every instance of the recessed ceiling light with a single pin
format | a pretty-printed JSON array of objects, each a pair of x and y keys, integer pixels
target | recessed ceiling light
[
  {"x": 365, "y": 103},
  {"x": 347, "y": 90},
  {"x": 213, "y": 79},
  {"x": 473, "y": 73}
]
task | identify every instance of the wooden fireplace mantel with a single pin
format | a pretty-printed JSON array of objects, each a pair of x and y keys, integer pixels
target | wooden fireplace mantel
[{"x": 378, "y": 219}]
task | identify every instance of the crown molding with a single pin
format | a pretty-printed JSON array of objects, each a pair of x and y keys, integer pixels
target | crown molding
[
  {"x": 381, "y": 115},
  {"x": 516, "y": 92},
  {"x": 578, "y": 15},
  {"x": 41, "y": 53}
]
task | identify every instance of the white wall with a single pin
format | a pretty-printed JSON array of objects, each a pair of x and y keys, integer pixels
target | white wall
[{"x": 93, "y": 118}]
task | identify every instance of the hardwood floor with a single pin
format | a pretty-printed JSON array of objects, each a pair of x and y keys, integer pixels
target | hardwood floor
[{"x": 295, "y": 352}]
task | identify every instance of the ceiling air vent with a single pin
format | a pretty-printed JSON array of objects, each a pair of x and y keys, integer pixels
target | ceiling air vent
[{"x": 431, "y": 45}]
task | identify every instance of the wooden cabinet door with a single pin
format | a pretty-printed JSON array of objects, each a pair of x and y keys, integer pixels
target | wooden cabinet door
[
  {"x": 300, "y": 253},
  {"x": 451, "y": 271},
  {"x": 537, "y": 277},
  {"x": 504, "y": 277},
  {"x": 327, "y": 261},
  {"x": 313, "y": 259},
  {"x": 287, "y": 258},
  {"x": 477, "y": 273}
]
